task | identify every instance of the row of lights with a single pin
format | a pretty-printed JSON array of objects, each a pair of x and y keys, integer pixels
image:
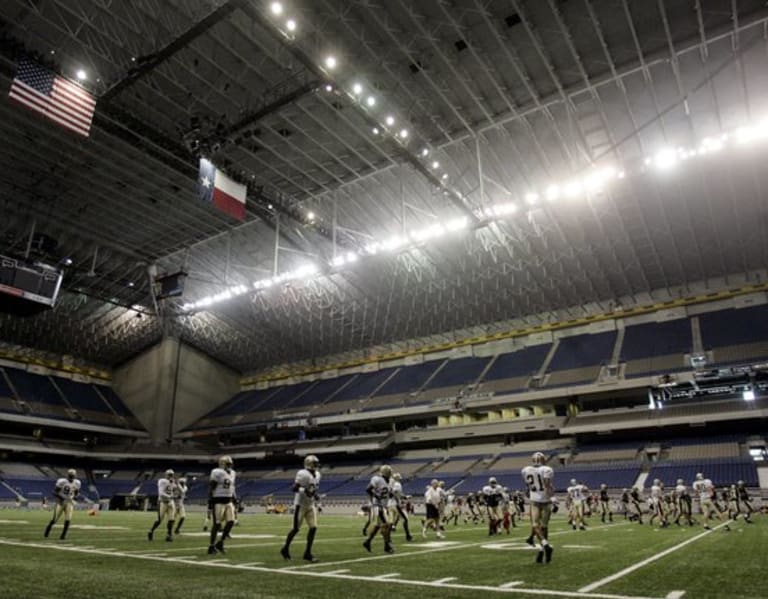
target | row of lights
[{"x": 592, "y": 183}]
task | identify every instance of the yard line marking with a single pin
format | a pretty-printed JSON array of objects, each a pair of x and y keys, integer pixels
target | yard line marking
[
  {"x": 511, "y": 584},
  {"x": 645, "y": 562},
  {"x": 217, "y": 561},
  {"x": 249, "y": 564},
  {"x": 442, "y": 580},
  {"x": 184, "y": 557},
  {"x": 579, "y": 546},
  {"x": 345, "y": 577},
  {"x": 675, "y": 594},
  {"x": 386, "y": 576},
  {"x": 336, "y": 572}
]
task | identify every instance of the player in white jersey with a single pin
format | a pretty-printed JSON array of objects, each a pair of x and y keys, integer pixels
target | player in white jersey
[
  {"x": 378, "y": 492},
  {"x": 432, "y": 499},
  {"x": 65, "y": 492},
  {"x": 179, "y": 495},
  {"x": 577, "y": 493},
  {"x": 306, "y": 489},
  {"x": 658, "y": 508},
  {"x": 221, "y": 501},
  {"x": 166, "y": 509},
  {"x": 395, "y": 505},
  {"x": 707, "y": 496},
  {"x": 493, "y": 496},
  {"x": 539, "y": 479},
  {"x": 683, "y": 500}
]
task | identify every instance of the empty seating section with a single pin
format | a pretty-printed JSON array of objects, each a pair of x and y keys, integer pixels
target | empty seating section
[
  {"x": 656, "y": 347},
  {"x": 39, "y": 393},
  {"x": 322, "y": 391},
  {"x": 456, "y": 466},
  {"x": 736, "y": 335},
  {"x": 705, "y": 450},
  {"x": 283, "y": 397},
  {"x": 724, "y": 471},
  {"x": 355, "y": 392},
  {"x": 578, "y": 359},
  {"x": 86, "y": 400},
  {"x": 406, "y": 380},
  {"x": 605, "y": 455},
  {"x": 454, "y": 376},
  {"x": 511, "y": 372},
  {"x": 615, "y": 475},
  {"x": 117, "y": 405},
  {"x": 7, "y": 403},
  {"x": 512, "y": 461}
]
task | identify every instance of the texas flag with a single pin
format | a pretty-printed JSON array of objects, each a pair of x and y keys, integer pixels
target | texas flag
[{"x": 216, "y": 188}]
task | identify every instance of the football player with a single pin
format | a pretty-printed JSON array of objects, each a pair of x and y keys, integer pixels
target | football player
[
  {"x": 538, "y": 477},
  {"x": 166, "y": 510},
  {"x": 492, "y": 494},
  {"x": 179, "y": 495},
  {"x": 472, "y": 508},
  {"x": 221, "y": 502},
  {"x": 305, "y": 489},
  {"x": 605, "y": 504},
  {"x": 744, "y": 501},
  {"x": 634, "y": 502},
  {"x": 65, "y": 493},
  {"x": 378, "y": 492},
  {"x": 432, "y": 500},
  {"x": 684, "y": 503},
  {"x": 577, "y": 492},
  {"x": 707, "y": 496},
  {"x": 395, "y": 505},
  {"x": 657, "y": 504}
]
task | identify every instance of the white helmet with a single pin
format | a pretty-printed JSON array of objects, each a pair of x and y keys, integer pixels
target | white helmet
[
  {"x": 225, "y": 462},
  {"x": 574, "y": 482},
  {"x": 656, "y": 482},
  {"x": 699, "y": 476},
  {"x": 539, "y": 458},
  {"x": 603, "y": 486},
  {"x": 71, "y": 474},
  {"x": 169, "y": 473},
  {"x": 492, "y": 480},
  {"x": 311, "y": 462},
  {"x": 397, "y": 476},
  {"x": 385, "y": 471},
  {"x": 183, "y": 481},
  {"x": 680, "y": 481}
]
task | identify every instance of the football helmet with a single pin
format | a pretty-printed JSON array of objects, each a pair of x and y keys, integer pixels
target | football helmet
[
  {"x": 574, "y": 482},
  {"x": 397, "y": 476},
  {"x": 225, "y": 462},
  {"x": 183, "y": 481},
  {"x": 71, "y": 474},
  {"x": 603, "y": 486},
  {"x": 699, "y": 476},
  {"x": 441, "y": 483},
  {"x": 311, "y": 462},
  {"x": 656, "y": 482},
  {"x": 539, "y": 458},
  {"x": 434, "y": 482},
  {"x": 740, "y": 483},
  {"x": 385, "y": 471},
  {"x": 492, "y": 481},
  {"x": 680, "y": 481},
  {"x": 169, "y": 473}
]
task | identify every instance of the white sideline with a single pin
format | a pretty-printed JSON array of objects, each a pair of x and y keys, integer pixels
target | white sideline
[
  {"x": 645, "y": 562},
  {"x": 329, "y": 575}
]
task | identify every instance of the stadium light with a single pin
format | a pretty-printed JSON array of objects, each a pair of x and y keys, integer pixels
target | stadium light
[
  {"x": 553, "y": 192},
  {"x": 748, "y": 394},
  {"x": 403, "y": 133},
  {"x": 290, "y": 25},
  {"x": 435, "y": 164},
  {"x": 665, "y": 159},
  {"x": 390, "y": 120},
  {"x": 357, "y": 89},
  {"x": 81, "y": 75},
  {"x": 276, "y": 8},
  {"x": 375, "y": 130},
  {"x": 310, "y": 216},
  {"x": 531, "y": 198},
  {"x": 330, "y": 62},
  {"x": 425, "y": 152},
  {"x": 370, "y": 101}
]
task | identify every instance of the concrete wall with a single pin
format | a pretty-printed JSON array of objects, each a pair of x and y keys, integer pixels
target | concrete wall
[{"x": 146, "y": 384}]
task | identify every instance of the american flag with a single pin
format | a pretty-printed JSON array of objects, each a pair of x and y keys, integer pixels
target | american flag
[{"x": 60, "y": 100}]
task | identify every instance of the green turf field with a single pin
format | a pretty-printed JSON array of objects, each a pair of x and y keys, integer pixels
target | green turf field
[{"x": 109, "y": 556}]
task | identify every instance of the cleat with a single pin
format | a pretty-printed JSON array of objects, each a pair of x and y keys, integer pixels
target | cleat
[
  {"x": 149, "y": 536},
  {"x": 388, "y": 548},
  {"x": 367, "y": 546},
  {"x": 548, "y": 551},
  {"x": 168, "y": 539},
  {"x": 409, "y": 538},
  {"x": 211, "y": 550},
  {"x": 220, "y": 547},
  {"x": 582, "y": 527},
  {"x": 308, "y": 557},
  {"x": 205, "y": 529},
  {"x": 285, "y": 553},
  {"x": 440, "y": 535},
  {"x": 707, "y": 527},
  {"x": 540, "y": 556},
  {"x": 529, "y": 540},
  {"x": 63, "y": 537}
]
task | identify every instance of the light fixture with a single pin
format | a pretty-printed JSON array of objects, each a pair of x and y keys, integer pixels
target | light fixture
[
  {"x": 375, "y": 130},
  {"x": 329, "y": 88},
  {"x": 330, "y": 62},
  {"x": 573, "y": 188},
  {"x": 390, "y": 120},
  {"x": 276, "y": 8},
  {"x": 444, "y": 176},
  {"x": 270, "y": 206},
  {"x": 81, "y": 74},
  {"x": 67, "y": 261},
  {"x": 456, "y": 224},
  {"x": 290, "y": 25},
  {"x": 553, "y": 192},
  {"x": 357, "y": 89},
  {"x": 748, "y": 394},
  {"x": 425, "y": 152},
  {"x": 531, "y": 198},
  {"x": 665, "y": 159},
  {"x": 403, "y": 133},
  {"x": 310, "y": 215},
  {"x": 435, "y": 164},
  {"x": 371, "y": 101},
  {"x": 131, "y": 284}
]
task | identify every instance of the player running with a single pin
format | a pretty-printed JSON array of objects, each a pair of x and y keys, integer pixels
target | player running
[
  {"x": 378, "y": 492},
  {"x": 395, "y": 505},
  {"x": 65, "y": 492},
  {"x": 221, "y": 502},
  {"x": 305, "y": 489},
  {"x": 707, "y": 495},
  {"x": 166, "y": 509},
  {"x": 605, "y": 504},
  {"x": 577, "y": 492},
  {"x": 539, "y": 479}
]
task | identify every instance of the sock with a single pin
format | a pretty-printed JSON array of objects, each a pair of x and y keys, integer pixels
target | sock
[
  {"x": 178, "y": 526},
  {"x": 48, "y": 528},
  {"x": 169, "y": 527},
  {"x": 66, "y": 528},
  {"x": 405, "y": 527},
  {"x": 290, "y": 536},
  {"x": 214, "y": 532},
  {"x": 227, "y": 527},
  {"x": 544, "y": 542},
  {"x": 310, "y": 539},
  {"x": 154, "y": 526}
]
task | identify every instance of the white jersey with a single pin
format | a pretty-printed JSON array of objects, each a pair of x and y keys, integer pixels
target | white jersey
[
  {"x": 492, "y": 495},
  {"x": 681, "y": 490},
  {"x": 536, "y": 478},
  {"x": 67, "y": 490},
  {"x": 395, "y": 494},
  {"x": 577, "y": 493},
  {"x": 432, "y": 496},
  {"x": 225, "y": 483},
  {"x": 165, "y": 490},
  {"x": 308, "y": 483},
  {"x": 657, "y": 494},
  {"x": 379, "y": 487},
  {"x": 179, "y": 494},
  {"x": 704, "y": 488}
]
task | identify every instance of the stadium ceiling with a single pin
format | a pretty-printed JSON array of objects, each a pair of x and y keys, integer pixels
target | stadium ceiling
[{"x": 507, "y": 96}]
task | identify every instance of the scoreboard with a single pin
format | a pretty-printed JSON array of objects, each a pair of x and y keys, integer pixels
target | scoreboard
[{"x": 27, "y": 287}]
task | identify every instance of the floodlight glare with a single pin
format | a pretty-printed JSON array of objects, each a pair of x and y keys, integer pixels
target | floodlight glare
[
  {"x": 665, "y": 159},
  {"x": 371, "y": 101},
  {"x": 81, "y": 75},
  {"x": 276, "y": 8},
  {"x": 748, "y": 395},
  {"x": 330, "y": 62},
  {"x": 553, "y": 192},
  {"x": 290, "y": 25},
  {"x": 310, "y": 215},
  {"x": 403, "y": 133},
  {"x": 435, "y": 164},
  {"x": 425, "y": 152},
  {"x": 531, "y": 198},
  {"x": 390, "y": 120},
  {"x": 357, "y": 89},
  {"x": 375, "y": 130}
]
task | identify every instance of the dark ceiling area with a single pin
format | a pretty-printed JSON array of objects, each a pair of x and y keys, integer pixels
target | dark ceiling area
[{"x": 492, "y": 103}]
